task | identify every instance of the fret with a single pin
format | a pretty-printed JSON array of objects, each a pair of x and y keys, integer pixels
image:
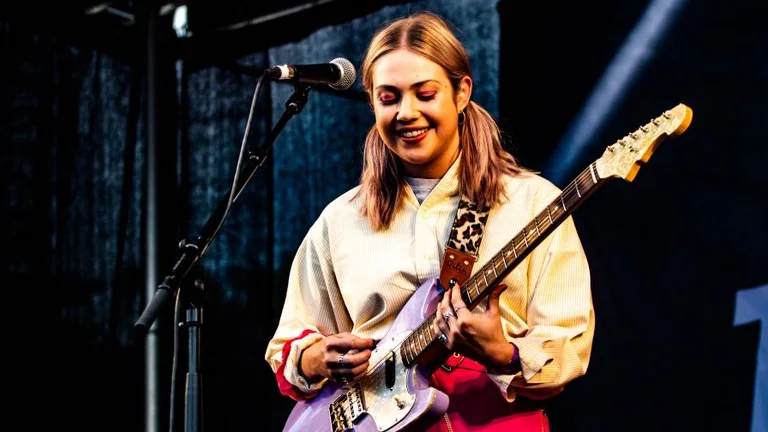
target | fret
[
  {"x": 407, "y": 354},
  {"x": 477, "y": 284},
  {"x": 536, "y": 221},
  {"x": 421, "y": 342},
  {"x": 592, "y": 172},
  {"x": 495, "y": 272},
  {"x": 504, "y": 260},
  {"x": 545, "y": 222},
  {"x": 469, "y": 297},
  {"x": 584, "y": 179},
  {"x": 576, "y": 183},
  {"x": 411, "y": 342},
  {"x": 486, "y": 280},
  {"x": 549, "y": 213},
  {"x": 477, "y": 288},
  {"x": 563, "y": 203},
  {"x": 572, "y": 199},
  {"x": 525, "y": 238}
]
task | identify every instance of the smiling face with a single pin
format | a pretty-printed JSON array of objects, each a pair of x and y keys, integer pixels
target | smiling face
[{"x": 417, "y": 111}]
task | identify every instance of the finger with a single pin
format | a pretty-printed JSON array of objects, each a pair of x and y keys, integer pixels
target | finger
[
  {"x": 350, "y": 373},
  {"x": 361, "y": 343},
  {"x": 344, "y": 342},
  {"x": 342, "y": 375},
  {"x": 336, "y": 361},
  {"x": 445, "y": 302},
  {"x": 493, "y": 299},
  {"x": 444, "y": 306},
  {"x": 445, "y": 310},
  {"x": 337, "y": 342},
  {"x": 449, "y": 318},
  {"x": 352, "y": 359},
  {"x": 441, "y": 330},
  {"x": 457, "y": 302},
  {"x": 359, "y": 370}
]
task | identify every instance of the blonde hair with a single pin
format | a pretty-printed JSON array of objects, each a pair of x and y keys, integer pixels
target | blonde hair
[{"x": 483, "y": 160}]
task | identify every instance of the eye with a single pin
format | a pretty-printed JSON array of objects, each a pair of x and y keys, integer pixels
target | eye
[
  {"x": 387, "y": 98},
  {"x": 427, "y": 95}
]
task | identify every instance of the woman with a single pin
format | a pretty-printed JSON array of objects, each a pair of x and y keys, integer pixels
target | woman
[{"x": 373, "y": 247}]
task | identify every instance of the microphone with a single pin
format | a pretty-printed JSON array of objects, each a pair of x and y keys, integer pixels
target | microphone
[{"x": 338, "y": 74}]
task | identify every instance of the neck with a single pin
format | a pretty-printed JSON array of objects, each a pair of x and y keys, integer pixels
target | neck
[{"x": 436, "y": 169}]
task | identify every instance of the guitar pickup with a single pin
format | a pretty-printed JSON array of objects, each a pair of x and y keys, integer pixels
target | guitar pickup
[{"x": 389, "y": 370}]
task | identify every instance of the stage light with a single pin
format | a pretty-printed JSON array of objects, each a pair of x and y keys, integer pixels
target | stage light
[{"x": 180, "y": 24}]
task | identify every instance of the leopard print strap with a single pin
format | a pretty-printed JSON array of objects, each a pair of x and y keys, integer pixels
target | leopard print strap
[
  {"x": 463, "y": 243},
  {"x": 467, "y": 231}
]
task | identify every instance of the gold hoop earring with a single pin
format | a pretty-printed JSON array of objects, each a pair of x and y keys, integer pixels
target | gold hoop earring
[{"x": 462, "y": 118}]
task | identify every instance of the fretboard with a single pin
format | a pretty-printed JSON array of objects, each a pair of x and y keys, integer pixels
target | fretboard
[{"x": 521, "y": 245}]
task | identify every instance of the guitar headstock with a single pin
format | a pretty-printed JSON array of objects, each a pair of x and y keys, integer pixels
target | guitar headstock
[{"x": 625, "y": 157}]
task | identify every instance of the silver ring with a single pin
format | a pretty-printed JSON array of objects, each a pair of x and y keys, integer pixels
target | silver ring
[
  {"x": 443, "y": 338},
  {"x": 341, "y": 359},
  {"x": 344, "y": 380},
  {"x": 448, "y": 315}
]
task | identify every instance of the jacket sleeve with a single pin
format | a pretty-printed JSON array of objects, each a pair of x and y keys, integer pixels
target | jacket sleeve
[
  {"x": 560, "y": 319},
  {"x": 313, "y": 308}
]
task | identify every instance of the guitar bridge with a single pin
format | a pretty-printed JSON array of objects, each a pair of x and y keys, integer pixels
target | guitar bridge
[{"x": 346, "y": 409}]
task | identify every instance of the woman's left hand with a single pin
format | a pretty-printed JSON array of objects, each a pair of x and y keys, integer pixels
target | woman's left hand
[{"x": 478, "y": 336}]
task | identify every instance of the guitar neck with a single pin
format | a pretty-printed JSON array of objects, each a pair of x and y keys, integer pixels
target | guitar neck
[{"x": 521, "y": 245}]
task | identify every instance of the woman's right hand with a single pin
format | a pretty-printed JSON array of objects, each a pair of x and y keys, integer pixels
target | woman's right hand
[{"x": 341, "y": 357}]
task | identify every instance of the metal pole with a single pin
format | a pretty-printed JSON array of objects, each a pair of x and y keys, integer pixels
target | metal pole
[{"x": 151, "y": 220}]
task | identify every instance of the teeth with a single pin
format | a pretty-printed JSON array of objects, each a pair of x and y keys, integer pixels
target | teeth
[{"x": 411, "y": 134}]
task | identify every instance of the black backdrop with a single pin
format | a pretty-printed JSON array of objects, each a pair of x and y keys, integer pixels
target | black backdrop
[{"x": 672, "y": 254}]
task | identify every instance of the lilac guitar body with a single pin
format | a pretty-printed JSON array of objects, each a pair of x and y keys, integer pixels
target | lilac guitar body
[{"x": 391, "y": 395}]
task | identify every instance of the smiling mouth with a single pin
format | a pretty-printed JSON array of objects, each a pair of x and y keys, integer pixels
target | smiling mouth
[{"x": 413, "y": 133}]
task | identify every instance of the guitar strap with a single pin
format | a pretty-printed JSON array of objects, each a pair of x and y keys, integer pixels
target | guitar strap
[
  {"x": 461, "y": 253},
  {"x": 464, "y": 242}
]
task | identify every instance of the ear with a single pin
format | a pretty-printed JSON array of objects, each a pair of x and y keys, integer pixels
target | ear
[{"x": 463, "y": 93}]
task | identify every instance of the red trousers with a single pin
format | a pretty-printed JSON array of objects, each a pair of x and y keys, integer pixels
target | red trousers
[{"x": 477, "y": 404}]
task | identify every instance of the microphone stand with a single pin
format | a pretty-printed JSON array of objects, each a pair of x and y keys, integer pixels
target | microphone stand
[{"x": 194, "y": 250}]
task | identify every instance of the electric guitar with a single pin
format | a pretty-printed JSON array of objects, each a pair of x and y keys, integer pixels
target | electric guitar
[{"x": 395, "y": 391}]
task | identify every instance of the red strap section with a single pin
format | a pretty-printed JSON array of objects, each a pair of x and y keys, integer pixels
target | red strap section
[{"x": 285, "y": 387}]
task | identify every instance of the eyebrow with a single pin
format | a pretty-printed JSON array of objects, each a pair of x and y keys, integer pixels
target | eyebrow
[{"x": 418, "y": 84}]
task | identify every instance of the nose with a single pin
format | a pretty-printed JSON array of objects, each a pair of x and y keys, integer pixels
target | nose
[{"x": 408, "y": 109}]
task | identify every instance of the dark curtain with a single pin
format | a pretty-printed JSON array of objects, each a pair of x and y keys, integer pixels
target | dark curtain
[{"x": 71, "y": 209}]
